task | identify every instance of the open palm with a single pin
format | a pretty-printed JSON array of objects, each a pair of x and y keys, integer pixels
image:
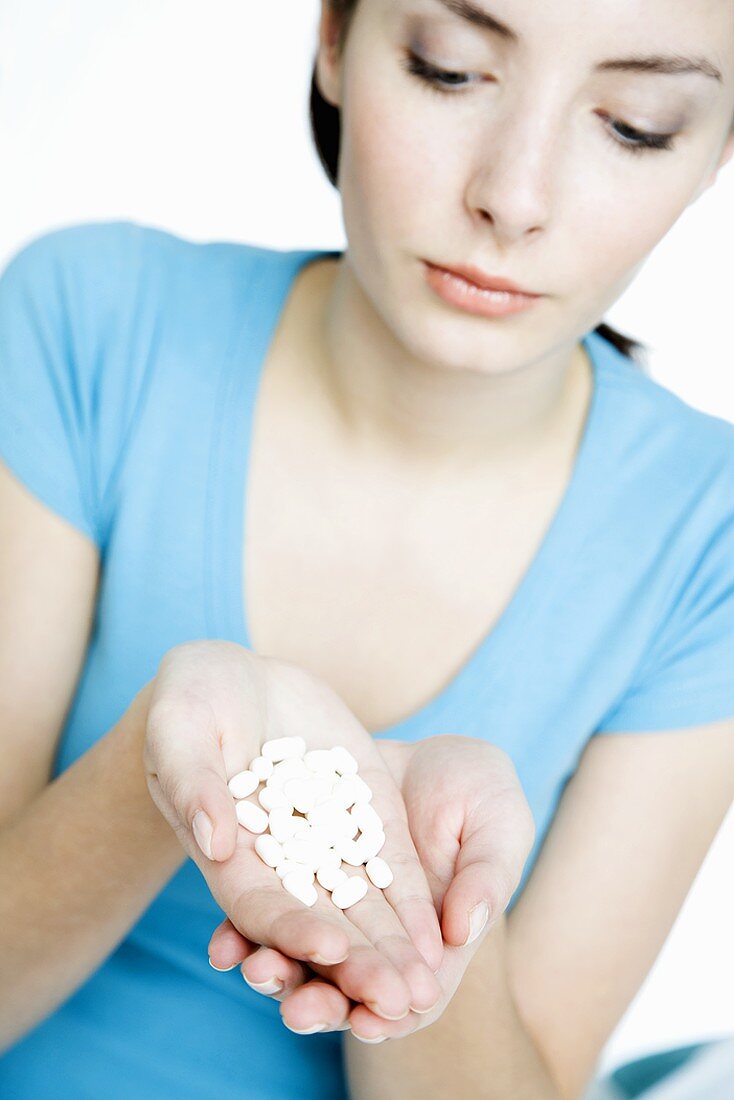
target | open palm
[{"x": 472, "y": 829}]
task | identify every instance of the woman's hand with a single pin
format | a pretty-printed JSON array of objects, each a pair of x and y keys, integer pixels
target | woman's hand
[
  {"x": 473, "y": 830},
  {"x": 212, "y": 705}
]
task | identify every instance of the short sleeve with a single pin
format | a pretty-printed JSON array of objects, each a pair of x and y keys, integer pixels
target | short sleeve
[
  {"x": 686, "y": 677},
  {"x": 56, "y": 296}
]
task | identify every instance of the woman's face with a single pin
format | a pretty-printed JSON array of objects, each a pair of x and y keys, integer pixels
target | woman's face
[{"x": 532, "y": 169}]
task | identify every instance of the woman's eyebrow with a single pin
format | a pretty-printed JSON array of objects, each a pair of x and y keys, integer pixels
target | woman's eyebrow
[
  {"x": 672, "y": 64},
  {"x": 480, "y": 18}
]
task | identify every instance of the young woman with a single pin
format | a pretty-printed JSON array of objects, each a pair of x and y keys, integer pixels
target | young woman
[{"x": 471, "y": 521}]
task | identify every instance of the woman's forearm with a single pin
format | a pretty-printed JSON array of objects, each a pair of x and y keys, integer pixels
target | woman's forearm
[
  {"x": 77, "y": 868},
  {"x": 477, "y": 1050}
]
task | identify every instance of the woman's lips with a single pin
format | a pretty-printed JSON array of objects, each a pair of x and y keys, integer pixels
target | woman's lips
[
  {"x": 471, "y": 298},
  {"x": 485, "y": 282}
]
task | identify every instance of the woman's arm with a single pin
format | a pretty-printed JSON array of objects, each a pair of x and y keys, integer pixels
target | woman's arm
[
  {"x": 86, "y": 856},
  {"x": 543, "y": 994},
  {"x": 79, "y": 864},
  {"x": 478, "y": 1050}
]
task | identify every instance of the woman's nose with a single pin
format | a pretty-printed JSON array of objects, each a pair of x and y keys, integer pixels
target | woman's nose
[{"x": 513, "y": 184}]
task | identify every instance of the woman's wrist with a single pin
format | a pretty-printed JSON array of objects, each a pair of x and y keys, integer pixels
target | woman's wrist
[
  {"x": 478, "y": 1047},
  {"x": 84, "y": 858}
]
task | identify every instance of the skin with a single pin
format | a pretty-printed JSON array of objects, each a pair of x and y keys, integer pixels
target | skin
[
  {"x": 472, "y": 830},
  {"x": 521, "y": 175},
  {"x": 210, "y": 708}
]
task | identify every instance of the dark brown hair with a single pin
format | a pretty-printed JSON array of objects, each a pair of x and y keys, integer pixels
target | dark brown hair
[{"x": 326, "y": 131}]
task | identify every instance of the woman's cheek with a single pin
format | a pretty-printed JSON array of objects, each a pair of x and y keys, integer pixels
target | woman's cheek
[
  {"x": 625, "y": 205},
  {"x": 395, "y": 159}
]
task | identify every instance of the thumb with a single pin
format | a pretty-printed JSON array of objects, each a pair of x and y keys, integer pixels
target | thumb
[
  {"x": 187, "y": 780},
  {"x": 488, "y": 869},
  {"x": 214, "y": 822}
]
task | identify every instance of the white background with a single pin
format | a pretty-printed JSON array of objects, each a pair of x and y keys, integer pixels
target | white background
[{"x": 193, "y": 117}]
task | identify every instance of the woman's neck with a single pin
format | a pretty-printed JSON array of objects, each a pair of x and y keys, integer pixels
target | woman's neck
[{"x": 432, "y": 419}]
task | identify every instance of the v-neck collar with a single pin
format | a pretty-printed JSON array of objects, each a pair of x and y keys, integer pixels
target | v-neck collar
[{"x": 225, "y": 533}]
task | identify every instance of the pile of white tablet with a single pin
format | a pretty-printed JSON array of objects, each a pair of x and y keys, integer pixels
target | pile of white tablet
[{"x": 313, "y": 804}]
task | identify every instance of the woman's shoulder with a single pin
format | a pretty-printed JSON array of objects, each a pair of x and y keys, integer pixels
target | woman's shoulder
[
  {"x": 103, "y": 280},
  {"x": 124, "y": 250},
  {"x": 658, "y": 426},
  {"x": 86, "y": 270},
  {"x": 80, "y": 243}
]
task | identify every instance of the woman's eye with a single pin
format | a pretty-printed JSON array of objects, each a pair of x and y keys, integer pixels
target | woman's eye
[
  {"x": 440, "y": 80},
  {"x": 445, "y": 82},
  {"x": 639, "y": 141}
]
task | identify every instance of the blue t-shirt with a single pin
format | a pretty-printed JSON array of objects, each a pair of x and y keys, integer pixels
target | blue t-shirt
[{"x": 130, "y": 363}]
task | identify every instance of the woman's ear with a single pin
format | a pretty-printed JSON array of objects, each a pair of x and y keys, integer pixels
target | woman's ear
[{"x": 328, "y": 60}]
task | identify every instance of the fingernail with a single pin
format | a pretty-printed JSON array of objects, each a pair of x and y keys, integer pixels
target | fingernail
[
  {"x": 344, "y": 1027},
  {"x": 202, "y": 827},
  {"x": 377, "y": 1038},
  {"x": 423, "y": 1011},
  {"x": 307, "y": 1030},
  {"x": 374, "y": 1007},
  {"x": 272, "y": 985},
  {"x": 327, "y": 962},
  {"x": 221, "y": 969},
  {"x": 478, "y": 917}
]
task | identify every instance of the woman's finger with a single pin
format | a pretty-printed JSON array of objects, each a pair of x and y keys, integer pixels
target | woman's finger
[
  {"x": 298, "y": 704},
  {"x": 316, "y": 1006},
  {"x": 267, "y": 971},
  {"x": 205, "y": 722},
  {"x": 264, "y": 912},
  {"x": 228, "y": 948},
  {"x": 495, "y": 843},
  {"x": 409, "y": 893},
  {"x": 373, "y": 916},
  {"x": 273, "y": 974},
  {"x": 370, "y": 1028},
  {"x": 381, "y": 924},
  {"x": 186, "y": 777},
  {"x": 472, "y": 828}
]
